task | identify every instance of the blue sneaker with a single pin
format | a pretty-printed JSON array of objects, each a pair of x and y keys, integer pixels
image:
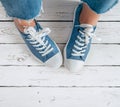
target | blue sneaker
[
  {"x": 78, "y": 46},
  {"x": 41, "y": 45}
]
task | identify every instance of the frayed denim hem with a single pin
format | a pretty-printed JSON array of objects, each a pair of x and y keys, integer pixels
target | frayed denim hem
[
  {"x": 99, "y": 12},
  {"x": 28, "y": 18},
  {"x": 97, "y": 9},
  {"x": 22, "y": 9}
]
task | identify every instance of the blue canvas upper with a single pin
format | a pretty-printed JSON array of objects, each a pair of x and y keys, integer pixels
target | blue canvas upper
[
  {"x": 36, "y": 52},
  {"x": 74, "y": 37}
]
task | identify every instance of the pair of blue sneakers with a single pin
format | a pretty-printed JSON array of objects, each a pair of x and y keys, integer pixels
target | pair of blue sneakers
[{"x": 47, "y": 51}]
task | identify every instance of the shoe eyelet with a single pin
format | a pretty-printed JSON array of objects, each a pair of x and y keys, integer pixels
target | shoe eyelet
[{"x": 78, "y": 30}]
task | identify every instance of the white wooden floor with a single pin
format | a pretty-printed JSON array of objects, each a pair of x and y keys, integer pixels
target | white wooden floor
[{"x": 25, "y": 82}]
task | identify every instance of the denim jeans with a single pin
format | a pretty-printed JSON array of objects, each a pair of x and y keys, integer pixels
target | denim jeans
[
  {"x": 22, "y": 9},
  {"x": 29, "y": 9},
  {"x": 100, "y": 6}
]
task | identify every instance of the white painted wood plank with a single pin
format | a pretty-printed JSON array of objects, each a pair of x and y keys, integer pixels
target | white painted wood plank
[
  {"x": 59, "y": 97},
  {"x": 107, "y": 31},
  {"x": 64, "y": 9},
  {"x": 41, "y": 76},
  {"x": 18, "y": 54}
]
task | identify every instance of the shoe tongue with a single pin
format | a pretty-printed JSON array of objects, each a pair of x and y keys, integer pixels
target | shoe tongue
[
  {"x": 29, "y": 30},
  {"x": 86, "y": 25}
]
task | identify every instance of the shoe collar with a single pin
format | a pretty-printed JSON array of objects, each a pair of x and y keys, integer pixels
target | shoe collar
[{"x": 77, "y": 16}]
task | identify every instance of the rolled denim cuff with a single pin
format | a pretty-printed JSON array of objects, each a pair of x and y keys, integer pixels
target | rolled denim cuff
[
  {"x": 22, "y": 9},
  {"x": 101, "y": 6}
]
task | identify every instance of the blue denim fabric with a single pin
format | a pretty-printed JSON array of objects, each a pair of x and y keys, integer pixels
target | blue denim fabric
[
  {"x": 100, "y": 6},
  {"x": 23, "y": 9},
  {"x": 28, "y": 9}
]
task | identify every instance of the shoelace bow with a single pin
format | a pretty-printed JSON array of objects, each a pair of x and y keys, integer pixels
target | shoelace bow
[
  {"x": 37, "y": 40},
  {"x": 82, "y": 41}
]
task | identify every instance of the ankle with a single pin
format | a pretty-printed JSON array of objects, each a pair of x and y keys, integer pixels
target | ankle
[
  {"x": 88, "y": 16},
  {"x": 22, "y": 24}
]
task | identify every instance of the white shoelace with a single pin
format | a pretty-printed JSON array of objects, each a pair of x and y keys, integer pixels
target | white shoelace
[
  {"x": 37, "y": 40},
  {"x": 82, "y": 42}
]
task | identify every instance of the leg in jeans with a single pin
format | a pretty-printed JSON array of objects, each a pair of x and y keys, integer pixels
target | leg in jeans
[
  {"x": 93, "y": 8},
  {"x": 100, "y": 6},
  {"x": 35, "y": 37},
  {"x": 23, "y": 11}
]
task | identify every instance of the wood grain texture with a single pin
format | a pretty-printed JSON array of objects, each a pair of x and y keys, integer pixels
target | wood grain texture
[
  {"x": 57, "y": 97},
  {"x": 39, "y": 76},
  {"x": 107, "y": 31},
  {"x": 25, "y": 82},
  {"x": 18, "y": 54}
]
